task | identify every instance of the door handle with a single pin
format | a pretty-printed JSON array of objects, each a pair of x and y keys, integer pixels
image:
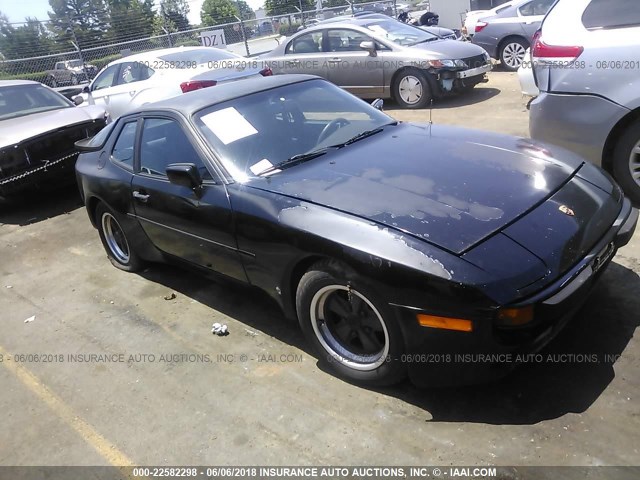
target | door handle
[
  {"x": 140, "y": 196},
  {"x": 334, "y": 60}
]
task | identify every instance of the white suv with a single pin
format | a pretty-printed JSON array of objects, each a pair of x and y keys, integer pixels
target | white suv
[{"x": 586, "y": 61}]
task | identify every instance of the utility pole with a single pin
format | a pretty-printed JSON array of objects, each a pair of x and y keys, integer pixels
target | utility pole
[{"x": 164, "y": 25}]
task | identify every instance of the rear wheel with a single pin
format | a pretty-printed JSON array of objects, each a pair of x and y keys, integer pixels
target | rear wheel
[
  {"x": 626, "y": 162},
  {"x": 115, "y": 241},
  {"x": 512, "y": 53},
  {"x": 351, "y": 329},
  {"x": 412, "y": 89}
]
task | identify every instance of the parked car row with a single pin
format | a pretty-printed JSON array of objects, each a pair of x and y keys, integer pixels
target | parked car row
[
  {"x": 385, "y": 240},
  {"x": 377, "y": 56}
]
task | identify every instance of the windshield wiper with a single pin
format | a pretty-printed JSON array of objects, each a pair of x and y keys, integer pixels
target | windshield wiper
[
  {"x": 365, "y": 134},
  {"x": 303, "y": 157},
  {"x": 295, "y": 160}
]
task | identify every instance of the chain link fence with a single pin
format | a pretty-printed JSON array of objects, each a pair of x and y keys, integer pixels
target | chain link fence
[{"x": 246, "y": 38}]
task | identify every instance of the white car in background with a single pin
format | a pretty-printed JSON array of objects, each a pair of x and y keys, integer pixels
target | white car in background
[
  {"x": 526, "y": 77},
  {"x": 135, "y": 80},
  {"x": 473, "y": 16}
]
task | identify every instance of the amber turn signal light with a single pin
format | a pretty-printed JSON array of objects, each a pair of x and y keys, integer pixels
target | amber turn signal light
[
  {"x": 515, "y": 317},
  {"x": 433, "y": 321}
]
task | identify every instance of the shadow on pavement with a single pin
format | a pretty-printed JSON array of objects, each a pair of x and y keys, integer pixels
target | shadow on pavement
[
  {"x": 596, "y": 337},
  {"x": 39, "y": 205},
  {"x": 477, "y": 95},
  {"x": 532, "y": 393}
]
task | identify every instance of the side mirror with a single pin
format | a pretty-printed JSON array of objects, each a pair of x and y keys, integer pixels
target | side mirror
[
  {"x": 78, "y": 100},
  {"x": 378, "y": 103},
  {"x": 369, "y": 47},
  {"x": 86, "y": 89},
  {"x": 185, "y": 174}
]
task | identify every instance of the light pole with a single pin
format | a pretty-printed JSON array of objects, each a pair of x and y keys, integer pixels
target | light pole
[{"x": 76, "y": 43}]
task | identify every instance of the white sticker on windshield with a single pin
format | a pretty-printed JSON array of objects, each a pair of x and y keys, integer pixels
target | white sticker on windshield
[
  {"x": 228, "y": 125},
  {"x": 261, "y": 166}
]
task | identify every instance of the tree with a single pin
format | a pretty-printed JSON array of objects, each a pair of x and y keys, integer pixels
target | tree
[
  {"x": 217, "y": 12},
  {"x": 88, "y": 18},
  {"x": 175, "y": 14},
  {"x": 282, "y": 7},
  {"x": 246, "y": 13},
  {"x": 130, "y": 19},
  {"x": 29, "y": 40}
]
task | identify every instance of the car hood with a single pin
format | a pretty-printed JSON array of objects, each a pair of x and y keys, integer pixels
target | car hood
[
  {"x": 447, "y": 49},
  {"x": 19, "y": 129},
  {"x": 448, "y": 186}
]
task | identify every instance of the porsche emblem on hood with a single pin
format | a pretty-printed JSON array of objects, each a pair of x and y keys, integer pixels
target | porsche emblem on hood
[{"x": 566, "y": 210}]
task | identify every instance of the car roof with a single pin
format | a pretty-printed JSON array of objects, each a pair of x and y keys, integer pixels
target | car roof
[
  {"x": 11, "y": 83},
  {"x": 191, "y": 102},
  {"x": 153, "y": 54}
]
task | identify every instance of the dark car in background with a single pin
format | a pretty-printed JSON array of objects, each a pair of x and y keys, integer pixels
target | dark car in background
[
  {"x": 38, "y": 129},
  {"x": 381, "y": 57},
  {"x": 70, "y": 72},
  {"x": 507, "y": 35},
  {"x": 387, "y": 241}
]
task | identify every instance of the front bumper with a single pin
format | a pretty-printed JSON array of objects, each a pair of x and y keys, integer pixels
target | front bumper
[
  {"x": 49, "y": 175},
  {"x": 580, "y": 123},
  {"x": 473, "y": 72},
  {"x": 438, "y": 357}
]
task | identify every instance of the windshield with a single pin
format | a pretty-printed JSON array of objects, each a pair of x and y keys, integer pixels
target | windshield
[
  {"x": 75, "y": 63},
  {"x": 252, "y": 133},
  {"x": 19, "y": 100},
  {"x": 399, "y": 32},
  {"x": 201, "y": 56}
]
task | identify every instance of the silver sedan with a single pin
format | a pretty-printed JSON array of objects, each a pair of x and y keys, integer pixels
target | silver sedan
[{"x": 373, "y": 57}]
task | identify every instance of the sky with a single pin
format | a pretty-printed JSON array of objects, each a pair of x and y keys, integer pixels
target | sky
[{"x": 17, "y": 10}]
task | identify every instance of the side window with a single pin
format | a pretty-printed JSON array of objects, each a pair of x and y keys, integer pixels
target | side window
[
  {"x": 106, "y": 78},
  {"x": 536, "y": 7},
  {"x": 308, "y": 43},
  {"x": 611, "y": 14},
  {"x": 133, "y": 72},
  {"x": 346, "y": 40},
  {"x": 163, "y": 143},
  {"x": 123, "y": 149}
]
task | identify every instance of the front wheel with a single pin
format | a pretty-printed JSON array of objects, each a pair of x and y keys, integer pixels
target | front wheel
[
  {"x": 74, "y": 80},
  {"x": 512, "y": 54},
  {"x": 626, "y": 162},
  {"x": 115, "y": 241},
  {"x": 51, "y": 82},
  {"x": 351, "y": 329},
  {"x": 412, "y": 89}
]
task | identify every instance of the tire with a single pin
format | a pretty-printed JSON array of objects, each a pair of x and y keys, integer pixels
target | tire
[
  {"x": 74, "y": 80},
  {"x": 364, "y": 345},
  {"x": 411, "y": 89},
  {"x": 115, "y": 242},
  {"x": 512, "y": 53},
  {"x": 52, "y": 82},
  {"x": 626, "y": 162}
]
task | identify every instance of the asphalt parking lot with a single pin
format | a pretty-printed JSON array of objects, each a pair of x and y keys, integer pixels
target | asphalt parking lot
[{"x": 172, "y": 393}]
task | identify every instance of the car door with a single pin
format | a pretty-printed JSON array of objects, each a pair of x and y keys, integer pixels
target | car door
[
  {"x": 303, "y": 54},
  {"x": 100, "y": 88},
  {"x": 196, "y": 226},
  {"x": 532, "y": 14},
  {"x": 131, "y": 78},
  {"x": 351, "y": 67}
]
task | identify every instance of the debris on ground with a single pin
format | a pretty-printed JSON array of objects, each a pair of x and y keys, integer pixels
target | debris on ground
[
  {"x": 219, "y": 329},
  {"x": 171, "y": 296},
  {"x": 30, "y": 319},
  {"x": 9, "y": 286},
  {"x": 251, "y": 332}
]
